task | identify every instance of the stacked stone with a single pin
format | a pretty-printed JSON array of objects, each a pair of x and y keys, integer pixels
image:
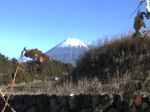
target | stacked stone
[{"x": 79, "y": 103}]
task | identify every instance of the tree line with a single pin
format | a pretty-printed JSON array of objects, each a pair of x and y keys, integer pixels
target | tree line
[{"x": 31, "y": 70}]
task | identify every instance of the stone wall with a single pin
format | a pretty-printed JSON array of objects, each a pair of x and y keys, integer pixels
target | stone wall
[{"x": 74, "y": 103}]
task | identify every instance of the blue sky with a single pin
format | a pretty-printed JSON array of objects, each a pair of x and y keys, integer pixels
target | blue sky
[{"x": 43, "y": 24}]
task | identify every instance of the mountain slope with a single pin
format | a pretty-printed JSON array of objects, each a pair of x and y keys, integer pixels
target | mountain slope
[{"x": 68, "y": 51}]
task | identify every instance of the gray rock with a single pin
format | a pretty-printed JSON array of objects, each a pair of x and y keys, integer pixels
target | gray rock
[
  {"x": 54, "y": 104},
  {"x": 31, "y": 109},
  {"x": 113, "y": 110},
  {"x": 86, "y": 110},
  {"x": 98, "y": 109},
  {"x": 86, "y": 101},
  {"x": 56, "y": 108},
  {"x": 105, "y": 100},
  {"x": 63, "y": 101},
  {"x": 95, "y": 100},
  {"x": 74, "y": 103},
  {"x": 63, "y": 110}
]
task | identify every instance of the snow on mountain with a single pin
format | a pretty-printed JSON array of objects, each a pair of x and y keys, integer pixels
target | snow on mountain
[
  {"x": 68, "y": 51},
  {"x": 72, "y": 42}
]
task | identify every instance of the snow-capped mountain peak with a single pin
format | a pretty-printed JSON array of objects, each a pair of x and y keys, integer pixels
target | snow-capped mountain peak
[
  {"x": 68, "y": 51},
  {"x": 72, "y": 42}
]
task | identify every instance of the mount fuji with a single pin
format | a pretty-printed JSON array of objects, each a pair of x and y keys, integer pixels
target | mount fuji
[{"x": 68, "y": 51}]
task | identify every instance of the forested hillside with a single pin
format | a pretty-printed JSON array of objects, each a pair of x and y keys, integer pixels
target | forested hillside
[
  {"x": 31, "y": 70},
  {"x": 117, "y": 58}
]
